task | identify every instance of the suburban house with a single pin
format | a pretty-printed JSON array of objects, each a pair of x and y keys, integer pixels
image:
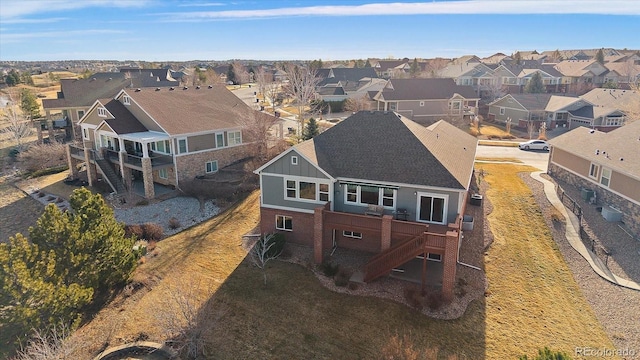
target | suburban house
[
  {"x": 606, "y": 164},
  {"x": 76, "y": 96},
  {"x": 572, "y": 112},
  {"x": 337, "y": 84},
  {"x": 161, "y": 136},
  {"x": 391, "y": 68},
  {"x": 376, "y": 182},
  {"x": 625, "y": 100},
  {"x": 580, "y": 76},
  {"x": 520, "y": 108},
  {"x": 427, "y": 100}
]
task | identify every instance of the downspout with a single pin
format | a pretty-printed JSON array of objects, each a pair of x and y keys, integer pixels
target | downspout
[{"x": 465, "y": 264}]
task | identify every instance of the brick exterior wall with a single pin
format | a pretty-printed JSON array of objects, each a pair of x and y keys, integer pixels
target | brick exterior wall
[
  {"x": 302, "y": 225},
  {"x": 192, "y": 165},
  {"x": 630, "y": 210}
]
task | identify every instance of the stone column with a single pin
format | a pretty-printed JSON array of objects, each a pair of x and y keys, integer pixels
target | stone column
[
  {"x": 147, "y": 177},
  {"x": 450, "y": 261},
  {"x": 73, "y": 169},
  {"x": 122, "y": 156},
  {"x": 317, "y": 234},
  {"x": 385, "y": 234},
  {"x": 91, "y": 168},
  {"x": 52, "y": 135}
]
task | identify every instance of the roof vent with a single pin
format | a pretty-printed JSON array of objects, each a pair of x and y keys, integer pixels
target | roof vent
[
  {"x": 138, "y": 90},
  {"x": 172, "y": 88},
  {"x": 210, "y": 87},
  {"x": 621, "y": 159},
  {"x": 185, "y": 88},
  {"x": 198, "y": 87},
  {"x": 157, "y": 89}
]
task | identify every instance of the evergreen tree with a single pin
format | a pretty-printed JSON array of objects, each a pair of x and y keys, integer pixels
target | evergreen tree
[
  {"x": 367, "y": 64},
  {"x": 12, "y": 78},
  {"x": 29, "y": 105},
  {"x": 310, "y": 130},
  {"x": 535, "y": 85},
  {"x": 517, "y": 57},
  {"x": 415, "y": 68},
  {"x": 231, "y": 74},
  {"x": 600, "y": 56}
]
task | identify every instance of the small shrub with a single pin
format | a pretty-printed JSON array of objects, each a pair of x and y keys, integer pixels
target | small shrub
[
  {"x": 174, "y": 223},
  {"x": 329, "y": 269},
  {"x": 556, "y": 216},
  {"x": 414, "y": 297},
  {"x": 342, "y": 278},
  {"x": 134, "y": 230},
  {"x": 151, "y": 246},
  {"x": 434, "y": 300},
  {"x": 152, "y": 231},
  {"x": 546, "y": 354}
]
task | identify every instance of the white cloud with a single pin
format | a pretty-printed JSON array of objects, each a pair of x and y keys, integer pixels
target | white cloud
[
  {"x": 205, "y": 4},
  {"x": 11, "y": 9},
  {"x": 13, "y": 38},
  {"x": 33, "y": 21},
  {"x": 612, "y": 7}
]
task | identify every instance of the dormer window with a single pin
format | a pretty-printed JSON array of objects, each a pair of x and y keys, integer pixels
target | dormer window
[
  {"x": 294, "y": 160},
  {"x": 126, "y": 100},
  {"x": 102, "y": 112}
]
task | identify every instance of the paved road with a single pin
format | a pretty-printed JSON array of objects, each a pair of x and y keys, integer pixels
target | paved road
[{"x": 536, "y": 159}]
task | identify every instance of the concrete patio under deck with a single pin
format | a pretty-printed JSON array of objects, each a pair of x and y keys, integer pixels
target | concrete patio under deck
[
  {"x": 159, "y": 189},
  {"x": 412, "y": 272}
]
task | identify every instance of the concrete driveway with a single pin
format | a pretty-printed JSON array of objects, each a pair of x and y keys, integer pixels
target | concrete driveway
[{"x": 538, "y": 159}]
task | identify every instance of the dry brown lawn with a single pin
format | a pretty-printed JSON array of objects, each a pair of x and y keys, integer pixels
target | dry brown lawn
[{"x": 17, "y": 211}]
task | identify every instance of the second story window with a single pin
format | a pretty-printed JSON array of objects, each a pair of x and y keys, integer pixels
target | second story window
[
  {"x": 182, "y": 146},
  {"x": 102, "y": 112},
  {"x": 126, "y": 100}
]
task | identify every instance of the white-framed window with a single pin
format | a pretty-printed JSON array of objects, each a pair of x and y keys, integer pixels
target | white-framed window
[
  {"x": 211, "y": 166},
  {"x": 605, "y": 177},
  {"x": 502, "y": 111},
  {"x": 126, "y": 100},
  {"x": 163, "y": 173},
  {"x": 370, "y": 195},
  {"x": 421, "y": 103},
  {"x": 352, "y": 234},
  {"x": 614, "y": 121},
  {"x": 294, "y": 160},
  {"x": 432, "y": 208},
  {"x": 434, "y": 257},
  {"x": 220, "y": 140},
  {"x": 102, "y": 112},
  {"x": 284, "y": 222},
  {"x": 162, "y": 146},
  {"x": 235, "y": 138},
  {"x": 85, "y": 133},
  {"x": 182, "y": 146},
  {"x": 593, "y": 170},
  {"x": 80, "y": 114},
  {"x": 306, "y": 190}
]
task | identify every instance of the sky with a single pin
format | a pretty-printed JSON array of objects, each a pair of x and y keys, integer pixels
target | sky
[{"x": 156, "y": 30}]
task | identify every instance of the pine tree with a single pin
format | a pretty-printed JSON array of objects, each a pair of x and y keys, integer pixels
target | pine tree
[
  {"x": 535, "y": 85},
  {"x": 310, "y": 130},
  {"x": 29, "y": 105},
  {"x": 231, "y": 74},
  {"x": 600, "y": 56},
  {"x": 415, "y": 68},
  {"x": 367, "y": 64},
  {"x": 12, "y": 78}
]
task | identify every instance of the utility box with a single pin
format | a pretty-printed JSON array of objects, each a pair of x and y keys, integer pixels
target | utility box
[
  {"x": 476, "y": 199},
  {"x": 467, "y": 223},
  {"x": 586, "y": 194},
  {"x": 611, "y": 214}
]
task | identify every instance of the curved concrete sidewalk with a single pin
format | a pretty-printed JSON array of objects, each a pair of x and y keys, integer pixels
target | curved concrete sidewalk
[{"x": 573, "y": 236}]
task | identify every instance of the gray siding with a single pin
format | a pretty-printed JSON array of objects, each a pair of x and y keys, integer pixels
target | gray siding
[
  {"x": 304, "y": 168},
  {"x": 273, "y": 194}
]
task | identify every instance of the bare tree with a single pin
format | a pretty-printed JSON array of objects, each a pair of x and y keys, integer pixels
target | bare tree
[
  {"x": 531, "y": 128},
  {"x": 242, "y": 76},
  {"x": 434, "y": 67},
  {"x": 46, "y": 345},
  {"x": 494, "y": 89},
  {"x": 357, "y": 104},
  {"x": 17, "y": 128},
  {"x": 259, "y": 128},
  {"x": 263, "y": 251},
  {"x": 302, "y": 86}
]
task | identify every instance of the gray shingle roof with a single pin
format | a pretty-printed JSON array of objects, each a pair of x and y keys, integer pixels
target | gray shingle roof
[
  {"x": 124, "y": 122},
  {"x": 382, "y": 146},
  {"x": 426, "y": 89},
  {"x": 532, "y": 102}
]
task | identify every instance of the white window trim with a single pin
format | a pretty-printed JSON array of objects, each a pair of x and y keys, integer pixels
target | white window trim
[
  {"x": 297, "y": 189},
  {"x": 597, "y": 171},
  {"x": 85, "y": 133},
  {"x": 229, "y": 133},
  {"x": 434, "y": 257},
  {"x": 602, "y": 171},
  {"x": 502, "y": 110},
  {"x": 294, "y": 160},
  {"x": 210, "y": 162},
  {"x": 217, "y": 146},
  {"x": 445, "y": 209},
  {"x": 186, "y": 145},
  {"x": 284, "y": 222},
  {"x": 352, "y": 234},
  {"x": 78, "y": 114},
  {"x": 163, "y": 173},
  {"x": 380, "y": 196},
  {"x": 102, "y": 112},
  {"x": 126, "y": 100}
]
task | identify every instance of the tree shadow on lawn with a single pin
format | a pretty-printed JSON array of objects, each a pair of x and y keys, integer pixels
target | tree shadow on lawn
[{"x": 294, "y": 316}]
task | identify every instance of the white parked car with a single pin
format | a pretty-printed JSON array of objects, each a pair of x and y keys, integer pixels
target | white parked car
[{"x": 534, "y": 145}]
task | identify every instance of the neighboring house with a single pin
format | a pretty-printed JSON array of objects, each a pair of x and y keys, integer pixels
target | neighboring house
[
  {"x": 572, "y": 112},
  {"x": 520, "y": 108},
  {"x": 337, "y": 84},
  {"x": 76, "y": 96},
  {"x": 427, "y": 100},
  {"x": 375, "y": 182},
  {"x": 162, "y": 135},
  {"x": 580, "y": 76},
  {"x": 516, "y": 75},
  {"x": 626, "y": 100},
  {"x": 389, "y": 68},
  {"x": 473, "y": 74},
  {"x": 606, "y": 163}
]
